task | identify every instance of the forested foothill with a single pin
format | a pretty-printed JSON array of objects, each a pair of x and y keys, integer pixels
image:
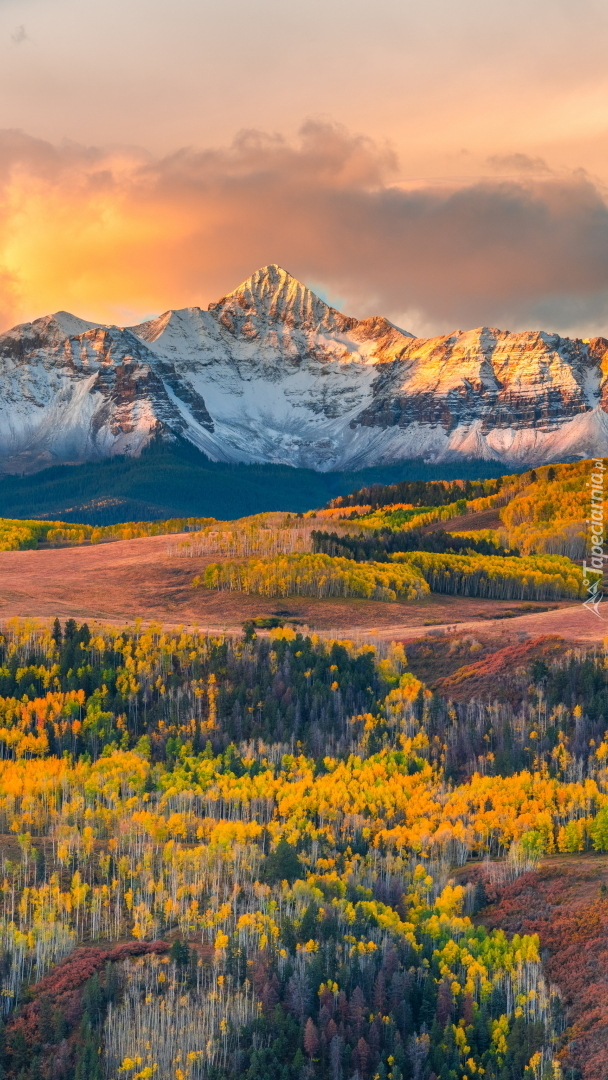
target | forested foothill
[
  {"x": 391, "y": 551},
  {"x": 268, "y": 855},
  {"x": 418, "y": 493},
  {"x": 398, "y": 551},
  {"x": 281, "y": 854},
  {"x": 171, "y": 478}
]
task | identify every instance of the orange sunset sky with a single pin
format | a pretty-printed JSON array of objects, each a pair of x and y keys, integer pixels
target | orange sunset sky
[{"x": 444, "y": 163}]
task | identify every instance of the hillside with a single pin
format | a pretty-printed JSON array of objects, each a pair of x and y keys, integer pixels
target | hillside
[
  {"x": 239, "y": 841},
  {"x": 140, "y": 578},
  {"x": 458, "y": 570},
  {"x": 269, "y": 856},
  {"x": 174, "y": 479},
  {"x": 565, "y": 903}
]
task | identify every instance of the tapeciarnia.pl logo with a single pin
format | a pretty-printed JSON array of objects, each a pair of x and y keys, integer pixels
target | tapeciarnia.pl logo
[{"x": 593, "y": 572}]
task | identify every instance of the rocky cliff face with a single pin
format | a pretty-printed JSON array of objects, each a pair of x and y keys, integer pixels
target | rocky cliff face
[{"x": 272, "y": 373}]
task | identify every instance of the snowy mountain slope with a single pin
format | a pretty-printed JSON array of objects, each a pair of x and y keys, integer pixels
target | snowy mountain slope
[{"x": 272, "y": 373}]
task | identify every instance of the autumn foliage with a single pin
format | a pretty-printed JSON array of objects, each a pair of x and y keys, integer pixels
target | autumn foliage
[
  {"x": 288, "y": 810},
  {"x": 566, "y": 904}
]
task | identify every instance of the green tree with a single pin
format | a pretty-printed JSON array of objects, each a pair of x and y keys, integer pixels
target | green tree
[
  {"x": 60, "y": 1026},
  {"x": 599, "y": 830},
  {"x": 533, "y": 843},
  {"x": 308, "y": 925},
  {"x": 88, "y": 1055},
  {"x": 179, "y": 953},
  {"x": 92, "y": 999},
  {"x": 19, "y": 1051},
  {"x": 281, "y": 865},
  {"x": 45, "y": 1020}
]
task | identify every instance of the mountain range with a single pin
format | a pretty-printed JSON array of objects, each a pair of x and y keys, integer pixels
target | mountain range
[{"x": 273, "y": 374}]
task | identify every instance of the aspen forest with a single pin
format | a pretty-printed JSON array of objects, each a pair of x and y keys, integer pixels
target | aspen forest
[
  {"x": 242, "y": 856},
  {"x": 18, "y": 535},
  {"x": 531, "y": 554},
  {"x": 281, "y": 853}
]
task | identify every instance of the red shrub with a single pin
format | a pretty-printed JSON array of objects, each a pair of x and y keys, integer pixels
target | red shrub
[{"x": 562, "y": 903}]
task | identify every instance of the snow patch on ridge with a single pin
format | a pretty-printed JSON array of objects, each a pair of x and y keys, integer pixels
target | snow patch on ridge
[{"x": 271, "y": 373}]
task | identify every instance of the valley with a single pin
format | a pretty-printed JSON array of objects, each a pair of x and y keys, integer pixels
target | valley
[
  {"x": 126, "y": 580},
  {"x": 305, "y": 794}
]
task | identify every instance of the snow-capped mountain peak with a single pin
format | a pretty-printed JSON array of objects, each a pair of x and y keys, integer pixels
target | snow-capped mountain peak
[
  {"x": 272, "y": 373},
  {"x": 273, "y": 295},
  {"x": 71, "y": 325}
]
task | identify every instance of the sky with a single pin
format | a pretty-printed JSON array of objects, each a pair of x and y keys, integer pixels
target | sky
[{"x": 443, "y": 163}]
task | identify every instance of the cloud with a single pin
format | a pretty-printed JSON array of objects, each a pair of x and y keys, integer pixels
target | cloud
[
  {"x": 112, "y": 234},
  {"x": 19, "y": 35},
  {"x": 517, "y": 163}
]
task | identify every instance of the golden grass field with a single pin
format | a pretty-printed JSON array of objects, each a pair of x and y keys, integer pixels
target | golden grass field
[{"x": 144, "y": 578}]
